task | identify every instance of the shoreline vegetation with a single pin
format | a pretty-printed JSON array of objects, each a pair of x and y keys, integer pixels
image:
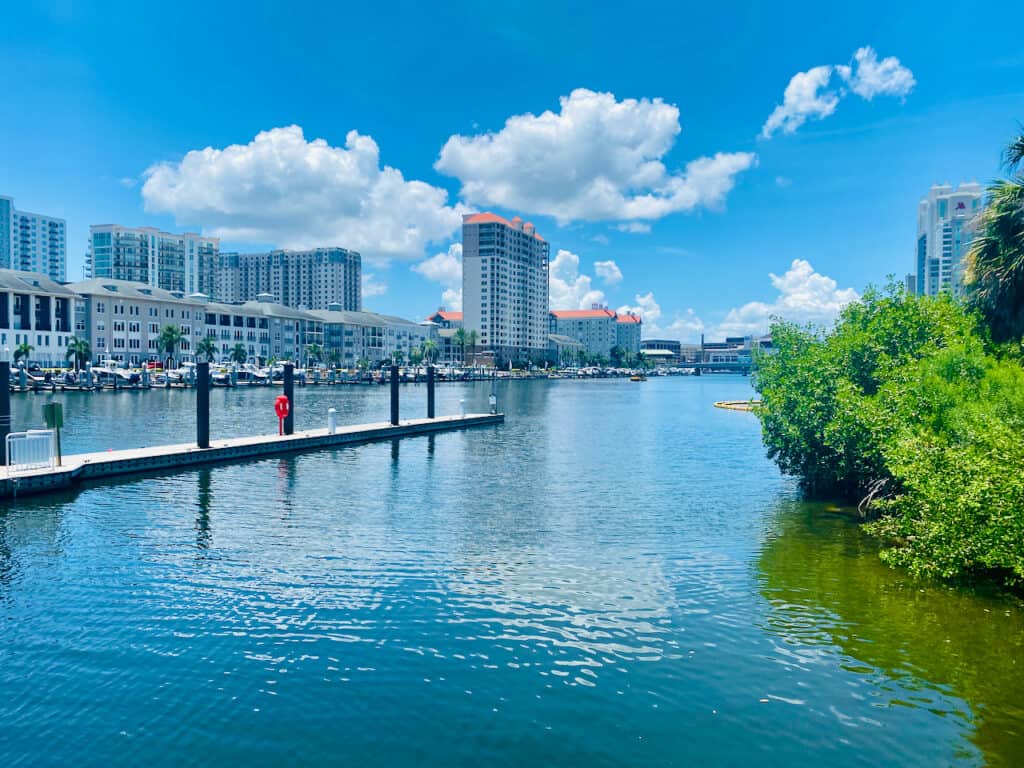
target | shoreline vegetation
[{"x": 912, "y": 407}]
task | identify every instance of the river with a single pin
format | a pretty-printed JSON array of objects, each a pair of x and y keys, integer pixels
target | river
[{"x": 615, "y": 576}]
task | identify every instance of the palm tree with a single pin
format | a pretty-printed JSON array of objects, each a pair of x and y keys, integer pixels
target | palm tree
[
  {"x": 79, "y": 350},
  {"x": 415, "y": 355},
  {"x": 471, "y": 339},
  {"x": 397, "y": 356},
  {"x": 429, "y": 351},
  {"x": 460, "y": 338},
  {"x": 168, "y": 340},
  {"x": 207, "y": 346},
  {"x": 994, "y": 277},
  {"x": 23, "y": 350},
  {"x": 314, "y": 353},
  {"x": 334, "y": 358},
  {"x": 238, "y": 354}
]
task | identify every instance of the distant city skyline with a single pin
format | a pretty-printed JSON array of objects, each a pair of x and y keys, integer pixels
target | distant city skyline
[{"x": 705, "y": 189}]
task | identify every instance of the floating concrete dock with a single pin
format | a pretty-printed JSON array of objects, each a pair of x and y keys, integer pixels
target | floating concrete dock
[{"x": 90, "y": 466}]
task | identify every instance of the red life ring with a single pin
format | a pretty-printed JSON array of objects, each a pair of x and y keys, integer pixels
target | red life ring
[{"x": 281, "y": 406}]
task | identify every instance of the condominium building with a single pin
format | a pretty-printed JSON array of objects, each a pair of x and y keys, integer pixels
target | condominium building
[
  {"x": 264, "y": 328},
  {"x": 32, "y": 242},
  {"x": 36, "y": 311},
  {"x": 628, "y": 330},
  {"x": 505, "y": 286},
  {"x": 369, "y": 336},
  {"x": 312, "y": 279},
  {"x": 182, "y": 263},
  {"x": 595, "y": 328},
  {"x": 598, "y": 329},
  {"x": 945, "y": 229},
  {"x": 122, "y": 319}
]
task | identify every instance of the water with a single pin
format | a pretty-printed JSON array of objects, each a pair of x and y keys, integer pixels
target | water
[{"x": 616, "y": 576}]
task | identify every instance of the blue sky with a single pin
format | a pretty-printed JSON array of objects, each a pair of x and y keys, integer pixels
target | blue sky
[{"x": 102, "y": 106}]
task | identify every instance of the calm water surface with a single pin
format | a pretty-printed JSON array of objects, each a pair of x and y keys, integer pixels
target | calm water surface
[{"x": 616, "y": 576}]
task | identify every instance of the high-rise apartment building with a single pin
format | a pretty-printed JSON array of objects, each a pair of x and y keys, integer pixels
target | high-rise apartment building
[
  {"x": 181, "y": 263},
  {"x": 505, "y": 286},
  {"x": 32, "y": 242},
  {"x": 313, "y": 279},
  {"x": 945, "y": 229}
]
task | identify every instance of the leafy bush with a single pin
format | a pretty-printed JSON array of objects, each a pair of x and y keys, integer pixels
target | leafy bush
[{"x": 902, "y": 397}]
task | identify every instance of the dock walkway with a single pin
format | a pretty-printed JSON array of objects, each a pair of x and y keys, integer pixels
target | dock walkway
[{"x": 86, "y": 466}]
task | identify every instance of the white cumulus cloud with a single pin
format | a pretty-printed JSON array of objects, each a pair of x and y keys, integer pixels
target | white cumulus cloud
[
  {"x": 807, "y": 96},
  {"x": 805, "y": 296},
  {"x": 683, "y": 326},
  {"x": 445, "y": 268},
  {"x": 372, "y": 287},
  {"x": 282, "y": 189},
  {"x": 567, "y": 288},
  {"x": 810, "y": 94},
  {"x": 608, "y": 271},
  {"x": 868, "y": 77},
  {"x": 597, "y": 159}
]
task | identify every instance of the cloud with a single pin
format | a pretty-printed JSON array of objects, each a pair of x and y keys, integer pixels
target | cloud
[
  {"x": 805, "y": 296},
  {"x": 783, "y": 181},
  {"x": 127, "y": 182},
  {"x": 634, "y": 227},
  {"x": 567, "y": 288},
  {"x": 445, "y": 268},
  {"x": 597, "y": 159},
  {"x": 809, "y": 96},
  {"x": 608, "y": 271},
  {"x": 372, "y": 287},
  {"x": 804, "y": 98},
  {"x": 868, "y": 77},
  {"x": 684, "y": 326},
  {"x": 282, "y": 189}
]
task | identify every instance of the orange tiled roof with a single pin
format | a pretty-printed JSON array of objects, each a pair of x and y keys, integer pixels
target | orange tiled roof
[
  {"x": 492, "y": 218},
  {"x": 628, "y": 318},
  {"x": 581, "y": 314}
]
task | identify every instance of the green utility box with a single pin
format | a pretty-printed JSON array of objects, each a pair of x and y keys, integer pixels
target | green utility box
[{"x": 53, "y": 414}]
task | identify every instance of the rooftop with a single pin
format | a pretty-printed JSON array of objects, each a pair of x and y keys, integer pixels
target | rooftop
[
  {"x": 582, "y": 314},
  {"x": 446, "y": 315},
  {"x": 16, "y": 280},
  {"x": 492, "y": 218}
]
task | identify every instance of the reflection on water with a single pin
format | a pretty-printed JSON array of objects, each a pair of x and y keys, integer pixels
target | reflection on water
[
  {"x": 613, "y": 577},
  {"x": 954, "y": 652}
]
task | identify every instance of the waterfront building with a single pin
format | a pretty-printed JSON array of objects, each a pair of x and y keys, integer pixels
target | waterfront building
[
  {"x": 311, "y": 279},
  {"x": 35, "y": 310},
  {"x": 32, "y": 242},
  {"x": 669, "y": 351},
  {"x": 628, "y": 329},
  {"x": 122, "y": 319},
  {"x": 945, "y": 229},
  {"x": 182, "y": 263},
  {"x": 563, "y": 350},
  {"x": 595, "y": 328},
  {"x": 265, "y": 329},
  {"x": 599, "y": 329},
  {"x": 370, "y": 337},
  {"x": 505, "y": 286}
]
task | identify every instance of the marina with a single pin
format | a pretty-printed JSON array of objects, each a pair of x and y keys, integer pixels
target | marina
[{"x": 434, "y": 599}]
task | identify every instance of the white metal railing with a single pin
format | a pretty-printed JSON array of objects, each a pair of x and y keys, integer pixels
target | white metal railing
[{"x": 34, "y": 449}]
